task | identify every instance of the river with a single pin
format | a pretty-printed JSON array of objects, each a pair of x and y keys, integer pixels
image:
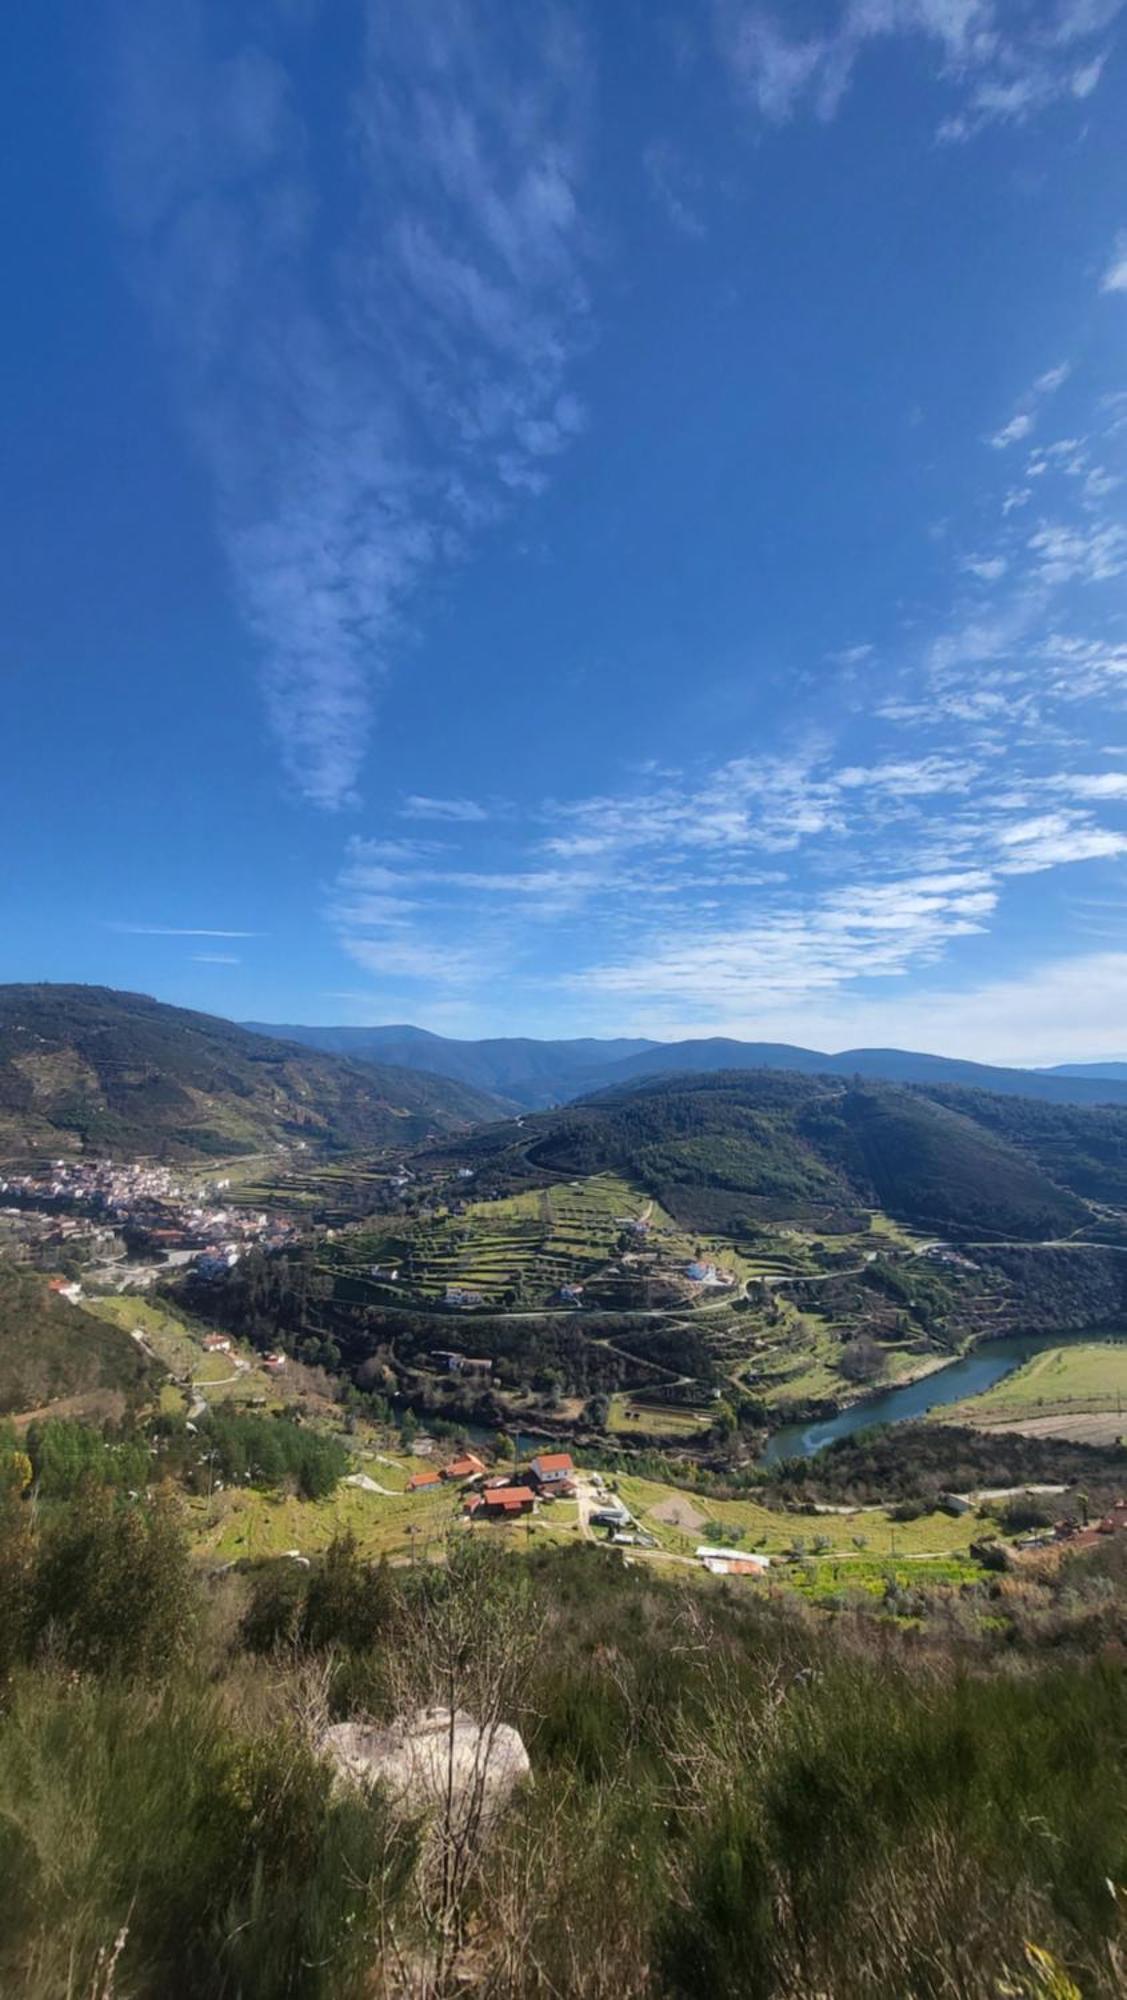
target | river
[{"x": 969, "y": 1376}]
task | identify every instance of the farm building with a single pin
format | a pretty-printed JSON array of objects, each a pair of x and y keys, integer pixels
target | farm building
[
  {"x": 552, "y": 1471},
  {"x": 217, "y": 1343},
  {"x": 466, "y": 1467},
  {"x": 460, "y": 1296},
  {"x": 427, "y": 1477},
  {"x": 733, "y": 1562},
  {"x": 274, "y": 1363},
  {"x": 448, "y": 1358},
  {"x": 501, "y": 1503}
]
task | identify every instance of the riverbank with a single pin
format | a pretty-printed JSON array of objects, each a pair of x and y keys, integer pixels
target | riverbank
[
  {"x": 1075, "y": 1388},
  {"x": 960, "y": 1381}
]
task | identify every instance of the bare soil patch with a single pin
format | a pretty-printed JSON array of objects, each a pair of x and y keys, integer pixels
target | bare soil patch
[{"x": 678, "y": 1512}]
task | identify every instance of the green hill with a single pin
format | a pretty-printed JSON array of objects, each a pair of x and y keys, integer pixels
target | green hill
[
  {"x": 87, "y": 1069},
  {"x": 50, "y": 1349},
  {"x": 787, "y": 1143}
]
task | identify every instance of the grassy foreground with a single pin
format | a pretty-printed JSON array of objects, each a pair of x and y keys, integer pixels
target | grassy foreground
[{"x": 732, "y": 1795}]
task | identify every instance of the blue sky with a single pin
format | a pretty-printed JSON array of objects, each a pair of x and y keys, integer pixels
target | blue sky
[{"x": 572, "y": 518}]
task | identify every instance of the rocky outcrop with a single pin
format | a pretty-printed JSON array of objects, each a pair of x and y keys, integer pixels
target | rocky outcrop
[{"x": 423, "y": 1756}]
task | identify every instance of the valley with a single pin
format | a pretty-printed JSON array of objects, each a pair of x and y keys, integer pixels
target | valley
[{"x": 640, "y": 1422}]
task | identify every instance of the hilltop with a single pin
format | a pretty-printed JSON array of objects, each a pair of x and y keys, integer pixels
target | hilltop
[
  {"x": 88, "y": 1069},
  {"x": 770, "y": 1144}
]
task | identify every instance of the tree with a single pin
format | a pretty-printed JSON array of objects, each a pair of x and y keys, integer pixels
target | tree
[
  {"x": 861, "y": 1360},
  {"x": 15, "y": 1471},
  {"x": 114, "y": 1583},
  {"x": 471, "y": 1635},
  {"x": 348, "y": 1601},
  {"x": 17, "y": 1579}
]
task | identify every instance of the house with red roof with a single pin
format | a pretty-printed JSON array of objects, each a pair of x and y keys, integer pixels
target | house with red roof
[
  {"x": 427, "y": 1477},
  {"x": 466, "y": 1467},
  {"x": 552, "y": 1471},
  {"x": 501, "y": 1503}
]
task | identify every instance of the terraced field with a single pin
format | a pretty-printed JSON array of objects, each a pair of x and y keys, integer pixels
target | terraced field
[
  {"x": 516, "y": 1251},
  {"x": 773, "y": 1532},
  {"x": 519, "y": 1251}
]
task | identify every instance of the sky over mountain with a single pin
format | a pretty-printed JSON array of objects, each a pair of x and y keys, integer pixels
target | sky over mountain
[{"x": 573, "y": 519}]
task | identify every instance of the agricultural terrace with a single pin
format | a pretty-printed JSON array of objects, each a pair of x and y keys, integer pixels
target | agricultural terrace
[
  {"x": 518, "y": 1251},
  {"x": 329, "y": 1191}
]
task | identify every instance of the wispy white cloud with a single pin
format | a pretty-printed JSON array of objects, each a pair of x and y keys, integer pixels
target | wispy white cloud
[
  {"x": 998, "y": 63},
  {"x": 676, "y": 187},
  {"x": 216, "y": 958},
  {"x": 1018, "y": 428},
  {"x": 1084, "y": 552},
  {"x": 363, "y": 406},
  {"x": 178, "y": 931},
  {"x": 1115, "y": 272},
  {"x": 417, "y": 806},
  {"x": 1052, "y": 1010}
]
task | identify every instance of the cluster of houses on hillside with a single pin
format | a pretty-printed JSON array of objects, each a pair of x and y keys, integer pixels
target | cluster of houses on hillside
[
  {"x": 102, "y": 1210},
  {"x": 499, "y": 1496}
]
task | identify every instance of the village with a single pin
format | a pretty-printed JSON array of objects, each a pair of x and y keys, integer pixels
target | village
[{"x": 125, "y": 1225}]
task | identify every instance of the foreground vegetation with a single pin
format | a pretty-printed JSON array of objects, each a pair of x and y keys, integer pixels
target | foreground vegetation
[{"x": 732, "y": 1795}]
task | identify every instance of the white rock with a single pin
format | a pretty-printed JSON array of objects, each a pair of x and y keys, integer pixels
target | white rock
[{"x": 412, "y": 1759}]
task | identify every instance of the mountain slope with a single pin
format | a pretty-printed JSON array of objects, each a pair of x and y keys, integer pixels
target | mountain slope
[
  {"x": 758, "y": 1142},
  {"x": 49, "y": 1348},
  {"x": 529, "y": 1073},
  {"x": 84, "y": 1068},
  {"x": 537, "y": 1074}
]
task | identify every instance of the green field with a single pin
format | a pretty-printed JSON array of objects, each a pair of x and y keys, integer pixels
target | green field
[
  {"x": 772, "y": 1532},
  {"x": 250, "y": 1524},
  {"x": 179, "y": 1344},
  {"x": 1081, "y": 1378},
  {"x": 630, "y": 1418}
]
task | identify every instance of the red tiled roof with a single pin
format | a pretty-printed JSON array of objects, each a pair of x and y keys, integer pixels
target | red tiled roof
[
  {"x": 509, "y": 1497},
  {"x": 425, "y": 1478},
  {"x": 553, "y": 1461},
  {"x": 462, "y": 1468}
]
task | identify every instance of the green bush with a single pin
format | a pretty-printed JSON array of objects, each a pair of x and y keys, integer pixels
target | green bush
[{"x": 227, "y": 1863}]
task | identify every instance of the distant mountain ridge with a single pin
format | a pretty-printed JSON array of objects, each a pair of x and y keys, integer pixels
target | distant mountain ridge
[
  {"x": 88, "y": 1069},
  {"x": 534, "y": 1075},
  {"x": 528, "y": 1072},
  {"x": 1099, "y": 1069}
]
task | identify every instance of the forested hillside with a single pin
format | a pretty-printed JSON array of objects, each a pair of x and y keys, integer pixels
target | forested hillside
[
  {"x": 770, "y": 1143},
  {"x": 87, "y": 1069},
  {"x": 51, "y": 1349}
]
